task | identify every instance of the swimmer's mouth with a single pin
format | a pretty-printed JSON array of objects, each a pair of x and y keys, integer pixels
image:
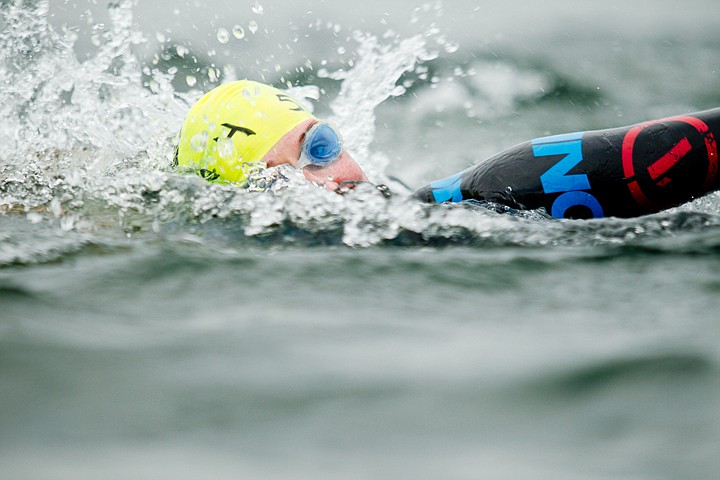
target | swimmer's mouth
[{"x": 350, "y": 184}]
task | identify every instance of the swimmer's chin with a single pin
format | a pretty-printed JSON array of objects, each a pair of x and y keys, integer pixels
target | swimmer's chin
[
  {"x": 342, "y": 187},
  {"x": 346, "y": 186},
  {"x": 332, "y": 186}
]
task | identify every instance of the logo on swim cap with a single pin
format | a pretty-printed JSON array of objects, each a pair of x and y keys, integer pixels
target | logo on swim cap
[{"x": 235, "y": 124}]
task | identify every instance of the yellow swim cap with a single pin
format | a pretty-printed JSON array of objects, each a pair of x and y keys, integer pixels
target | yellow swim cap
[{"x": 234, "y": 124}]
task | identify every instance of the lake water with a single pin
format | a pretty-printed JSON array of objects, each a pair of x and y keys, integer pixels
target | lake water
[{"x": 153, "y": 325}]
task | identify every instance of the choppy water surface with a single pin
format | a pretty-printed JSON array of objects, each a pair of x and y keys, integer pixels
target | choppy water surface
[{"x": 153, "y": 325}]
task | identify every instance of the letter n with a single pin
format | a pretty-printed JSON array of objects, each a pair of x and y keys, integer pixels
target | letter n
[{"x": 556, "y": 179}]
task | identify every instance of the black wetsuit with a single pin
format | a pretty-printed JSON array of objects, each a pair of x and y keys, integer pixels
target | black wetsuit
[{"x": 621, "y": 172}]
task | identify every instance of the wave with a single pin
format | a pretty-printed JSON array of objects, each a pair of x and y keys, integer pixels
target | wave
[
  {"x": 181, "y": 210},
  {"x": 630, "y": 372}
]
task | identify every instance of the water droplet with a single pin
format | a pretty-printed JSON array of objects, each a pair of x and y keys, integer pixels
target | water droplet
[
  {"x": 34, "y": 217},
  {"x": 341, "y": 50},
  {"x": 253, "y": 26},
  {"x": 222, "y": 35},
  {"x": 72, "y": 37},
  {"x": 181, "y": 50},
  {"x": 225, "y": 147},
  {"x": 191, "y": 81},
  {"x": 238, "y": 32},
  {"x": 257, "y": 8},
  {"x": 451, "y": 47},
  {"x": 199, "y": 142},
  {"x": 229, "y": 73},
  {"x": 42, "y": 9}
]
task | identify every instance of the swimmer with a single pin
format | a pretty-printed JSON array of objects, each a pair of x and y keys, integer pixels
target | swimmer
[{"x": 623, "y": 172}]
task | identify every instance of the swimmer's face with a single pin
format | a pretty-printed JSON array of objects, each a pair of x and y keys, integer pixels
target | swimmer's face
[{"x": 287, "y": 150}]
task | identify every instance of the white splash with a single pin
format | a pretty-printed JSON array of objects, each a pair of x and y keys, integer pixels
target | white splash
[{"x": 372, "y": 80}]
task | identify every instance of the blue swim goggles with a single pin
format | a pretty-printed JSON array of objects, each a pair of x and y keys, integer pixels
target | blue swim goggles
[{"x": 321, "y": 146}]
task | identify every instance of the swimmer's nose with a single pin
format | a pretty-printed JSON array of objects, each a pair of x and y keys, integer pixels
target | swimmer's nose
[{"x": 344, "y": 171}]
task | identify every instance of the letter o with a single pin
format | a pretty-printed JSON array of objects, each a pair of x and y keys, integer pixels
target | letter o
[{"x": 576, "y": 199}]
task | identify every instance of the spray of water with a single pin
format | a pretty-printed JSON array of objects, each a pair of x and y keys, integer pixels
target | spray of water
[
  {"x": 373, "y": 79},
  {"x": 87, "y": 141}
]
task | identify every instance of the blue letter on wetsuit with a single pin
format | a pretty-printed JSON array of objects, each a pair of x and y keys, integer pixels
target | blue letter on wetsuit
[
  {"x": 556, "y": 179},
  {"x": 448, "y": 189}
]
